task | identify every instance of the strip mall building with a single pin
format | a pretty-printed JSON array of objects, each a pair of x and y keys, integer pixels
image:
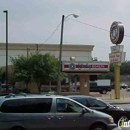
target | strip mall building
[{"x": 80, "y": 63}]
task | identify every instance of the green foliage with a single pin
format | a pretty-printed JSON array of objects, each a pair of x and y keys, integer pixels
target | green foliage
[
  {"x": 2, "y": 75},
  {"x": 124, "y": 70},
  {"x": 109, "y": 75},
  {"x": 94, "y": 59},
  {"x": 37, "y": 68},
  {"x": 22, "y": 69},
  {"x": 128, "y": 77},
  {"x": 12, "y": 79}
]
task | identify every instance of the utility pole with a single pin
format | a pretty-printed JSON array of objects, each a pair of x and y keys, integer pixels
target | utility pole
[
  {"x": 6, "y": 12},
  {"x": 37, "y": 47},
  {"x": 60, "y": 56},
  {"x": 60, "y": 52},
  {"x": 27, "y": 51}
]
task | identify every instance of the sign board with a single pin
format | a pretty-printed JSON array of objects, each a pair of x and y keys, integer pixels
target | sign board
[
  {"x": 117, "y": 57},
  {"x": 116, "y": 32},
  {"x": 118, "y": 48},
  {"x": 123, "y": 57},
  {"x": 85, "y": 66}
]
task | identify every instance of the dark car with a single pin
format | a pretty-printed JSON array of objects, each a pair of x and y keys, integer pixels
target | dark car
[
  {"x": 97, "y": 104},
  {"x": 94, "y": 87}
]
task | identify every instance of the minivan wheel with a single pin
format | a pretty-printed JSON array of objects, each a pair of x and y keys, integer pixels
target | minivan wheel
[
  {"x": 17, "y": 128},
  {"x": 98, "y": 127}
]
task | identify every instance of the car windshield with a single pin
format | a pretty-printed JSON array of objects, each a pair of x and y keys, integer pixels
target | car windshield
[{"x": 105, "y": 102}]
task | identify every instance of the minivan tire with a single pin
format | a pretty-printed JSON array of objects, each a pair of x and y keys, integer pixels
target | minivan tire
[
  {"x": 17, "y": 128},
  {"x": 98, "y": 127}
]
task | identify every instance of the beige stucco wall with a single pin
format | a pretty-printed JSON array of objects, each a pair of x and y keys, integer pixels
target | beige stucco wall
[{"x": 80, "y": 52}]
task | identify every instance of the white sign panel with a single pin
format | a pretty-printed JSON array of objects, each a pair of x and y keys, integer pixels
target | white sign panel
[
  {"x": 123, "y": 57},
  {"x": 118, "y": 48},
  {"x": 115, "y": 57},
  {"x": 85, "y": 66}
]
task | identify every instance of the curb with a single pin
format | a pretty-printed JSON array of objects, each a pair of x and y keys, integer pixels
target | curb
[{"x": 118, "y": 103}]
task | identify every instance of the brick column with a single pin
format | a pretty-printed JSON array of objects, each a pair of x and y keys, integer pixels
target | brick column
[{"x": 82, "y": 84}]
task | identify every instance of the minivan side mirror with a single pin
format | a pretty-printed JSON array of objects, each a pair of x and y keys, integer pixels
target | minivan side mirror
[
  {"x": 84, "y": 111},
  {"x": 107, "y": 107}
]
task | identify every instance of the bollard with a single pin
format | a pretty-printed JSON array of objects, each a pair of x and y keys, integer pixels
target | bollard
[
  {"x": 123, "y": 96},
  {"x": 114, "y": 96},
  {"x": 110, "y": 96}
]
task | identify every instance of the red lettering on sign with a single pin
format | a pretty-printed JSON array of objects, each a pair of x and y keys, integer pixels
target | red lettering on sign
[
  {"x": 66, "y": 66},
  {"x": 98, "y": 66}
]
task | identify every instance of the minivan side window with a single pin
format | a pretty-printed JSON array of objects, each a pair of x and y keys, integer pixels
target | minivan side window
[
  {"x": 13, "y": 106},
  {"x": 81, "y": 100},
  {"x": 38, "y": 105},
  {"x": 67, "y": 106}
]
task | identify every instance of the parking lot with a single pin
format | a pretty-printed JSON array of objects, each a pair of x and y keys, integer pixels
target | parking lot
[{"x": 123, "y": 92}]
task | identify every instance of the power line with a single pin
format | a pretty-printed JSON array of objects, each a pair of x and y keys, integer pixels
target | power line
[
  {"x": 90, "y": 25},
  {"x": 50, "y": 35},
  {"x": 93, "y": 26},
  {"x": 127, "y": 35},
  {"x": 78, "y": 22}
]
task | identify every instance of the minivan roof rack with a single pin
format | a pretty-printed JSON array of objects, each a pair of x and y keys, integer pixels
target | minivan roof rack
[
  {"x": 14, "y": 95},
  {"x": 10, "y": 95}
]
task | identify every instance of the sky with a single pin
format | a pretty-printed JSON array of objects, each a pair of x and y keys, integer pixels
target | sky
[{"x": 33, "y": 21}]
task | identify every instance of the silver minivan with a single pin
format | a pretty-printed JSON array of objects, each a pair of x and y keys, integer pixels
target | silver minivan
[{"x": 49, "y": 112}]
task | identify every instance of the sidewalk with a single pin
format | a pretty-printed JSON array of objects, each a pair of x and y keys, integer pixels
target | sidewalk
[{"x": 115, "y": 101}]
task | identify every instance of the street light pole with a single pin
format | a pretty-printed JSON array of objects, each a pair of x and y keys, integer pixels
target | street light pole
[
  {"x": 6, "y": 12},
  {"x": 60, "y": 56},
  {"x": 60, "y": 53}
]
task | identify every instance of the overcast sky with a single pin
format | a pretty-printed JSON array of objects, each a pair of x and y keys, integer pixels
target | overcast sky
[{"x": 33, "y": 21}]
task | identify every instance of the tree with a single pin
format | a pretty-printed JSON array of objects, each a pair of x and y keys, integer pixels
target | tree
[
  {"x": 124, "y": 70},
  {"x": 22, "y": 69},
  {"x": 2, "y": 75},
  {"x": 94, "y": 59},
  {"x": 12, "y": 79},
  {"x": 109, "y": 75},
  {"x": 37, "y": 68}
]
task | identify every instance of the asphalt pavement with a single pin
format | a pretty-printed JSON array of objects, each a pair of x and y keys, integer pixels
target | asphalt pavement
[
  {"x": 109, "y": 97},
  {"x": 122, "y": 105}
]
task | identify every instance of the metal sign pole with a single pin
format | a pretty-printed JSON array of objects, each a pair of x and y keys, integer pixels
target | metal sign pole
[{"x": 116, "y": 36}]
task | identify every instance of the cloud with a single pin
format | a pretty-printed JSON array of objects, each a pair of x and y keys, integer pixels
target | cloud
[
  {"x": 35, "y": 20},
  {"x": 120, "y": 5}
]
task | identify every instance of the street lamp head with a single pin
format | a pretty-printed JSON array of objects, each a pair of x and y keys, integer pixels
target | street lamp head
[
  {"x": 75, "y": 15},
  {"x": 5, "y": 11}
]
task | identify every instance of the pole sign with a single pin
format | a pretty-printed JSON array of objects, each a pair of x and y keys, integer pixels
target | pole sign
[
  {"x": 115, "y": 57},
  {"x": 83, "y": 66},
  {"x": 116, "y": 35},
  {"x": 118, "y": 48},
  {"x": 116, "y": 32}
]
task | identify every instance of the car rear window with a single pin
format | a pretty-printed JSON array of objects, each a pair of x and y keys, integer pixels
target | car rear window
[
  {"x": 32, "y": 105},
  {"x": 13, "y": 106}
]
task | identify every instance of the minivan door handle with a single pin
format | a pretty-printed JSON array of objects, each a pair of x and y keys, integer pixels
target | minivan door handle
[
  {"x": 59, "y": 117},
  {"x": 49, "y": 117}
]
